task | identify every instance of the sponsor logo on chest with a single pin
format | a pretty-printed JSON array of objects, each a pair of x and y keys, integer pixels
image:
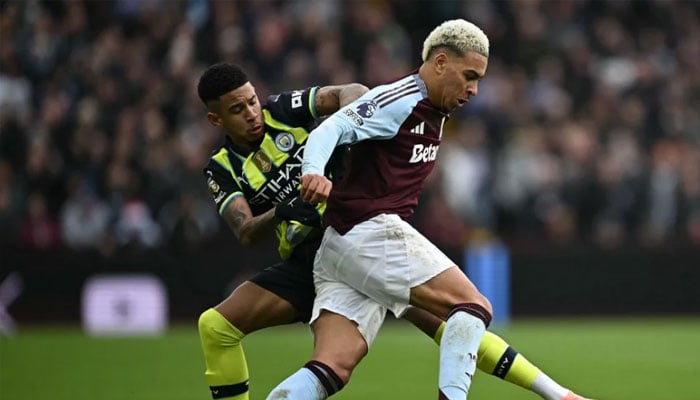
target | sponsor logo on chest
[
  {"x": 282, "y": 182},
  {"x": 422, "y": 153}
]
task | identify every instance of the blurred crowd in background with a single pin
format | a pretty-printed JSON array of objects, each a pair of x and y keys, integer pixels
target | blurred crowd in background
[{"x": 585, "y": 129}]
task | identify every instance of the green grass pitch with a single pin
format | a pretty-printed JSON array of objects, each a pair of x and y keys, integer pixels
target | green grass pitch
[{"x": 608, "y": 359}]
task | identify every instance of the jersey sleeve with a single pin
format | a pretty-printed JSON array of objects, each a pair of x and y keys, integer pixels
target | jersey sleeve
[
  {"x": 222, "y": 185},
  {"x": 363, "y": 119},
  {"x": 295, "y": 108}
]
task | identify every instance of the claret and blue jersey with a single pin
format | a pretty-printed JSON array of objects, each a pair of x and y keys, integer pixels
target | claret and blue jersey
[{"x": 394, "y": 133}]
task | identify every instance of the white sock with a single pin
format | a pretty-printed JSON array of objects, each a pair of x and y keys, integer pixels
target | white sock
[
  {"x": 458, "y": 350},
  {"x": 547, "y": 388},
  {"x": 302, "y": 385}
]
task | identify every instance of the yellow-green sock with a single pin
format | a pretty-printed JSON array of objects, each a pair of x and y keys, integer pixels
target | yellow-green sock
[
  {"x": 227, "y": 370},
  {"x": 495, "y": 357}
]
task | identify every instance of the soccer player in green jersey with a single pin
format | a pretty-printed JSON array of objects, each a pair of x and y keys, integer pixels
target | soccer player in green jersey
[{"x": 253, "y": 179}]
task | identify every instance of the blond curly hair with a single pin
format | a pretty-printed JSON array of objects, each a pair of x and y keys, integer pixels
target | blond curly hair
[{"x": 458, "y": 35}]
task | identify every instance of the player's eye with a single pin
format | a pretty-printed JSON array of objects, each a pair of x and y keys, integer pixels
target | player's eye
[{"x": 472, "y": 76}]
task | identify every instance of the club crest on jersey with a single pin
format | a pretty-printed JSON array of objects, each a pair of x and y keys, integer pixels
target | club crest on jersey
[
  {"x": 366, "y": 109},
  {"x": 262, "y": 161},
  {"x": 284, "y": 141}
]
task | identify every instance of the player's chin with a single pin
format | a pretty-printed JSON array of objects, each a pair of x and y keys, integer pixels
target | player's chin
[
  {"x": 451, "y": 108},
  {"x": 454, "y": 105}
]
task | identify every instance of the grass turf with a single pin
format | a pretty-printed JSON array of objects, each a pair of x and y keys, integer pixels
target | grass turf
[{"x": 608, "y": 359}]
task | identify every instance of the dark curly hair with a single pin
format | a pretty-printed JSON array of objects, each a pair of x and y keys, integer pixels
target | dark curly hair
[{"x": 219, "y": 79}]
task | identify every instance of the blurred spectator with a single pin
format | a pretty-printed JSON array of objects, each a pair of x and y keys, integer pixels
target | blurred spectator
[
  {"x": 664, "y": 190},
  {"x": 12, "y": 201},
  {"x": 39, "y": 229},
  {"x": 620, "y": 176},
  {"x": 85, "y": 218},
  {"x": 189, "y": 222},
  {"x": 135, "y": 226},
  {"x": 465, "y": 168}
]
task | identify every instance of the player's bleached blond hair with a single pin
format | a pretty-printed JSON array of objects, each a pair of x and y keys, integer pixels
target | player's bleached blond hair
[{"x": 458, "y": 35}]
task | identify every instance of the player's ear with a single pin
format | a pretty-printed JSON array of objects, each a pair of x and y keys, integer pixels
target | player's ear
[
  {"x": 440, "y": 62},
  {"x": 214, "y": 119}
]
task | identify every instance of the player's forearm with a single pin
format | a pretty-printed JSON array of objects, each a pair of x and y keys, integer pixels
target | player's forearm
[
  {"x": 248, "y": 229},
  {"x": 257, "y": 228},
  {"x": 330, "y": 99},
  {"x": 319, "y": 148}
]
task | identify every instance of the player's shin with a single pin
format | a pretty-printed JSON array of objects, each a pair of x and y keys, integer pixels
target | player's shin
[
  {"x": 227, "y": 370},
  {"x": 497, "y": 358},
  {"x": 462, "y": 333}
]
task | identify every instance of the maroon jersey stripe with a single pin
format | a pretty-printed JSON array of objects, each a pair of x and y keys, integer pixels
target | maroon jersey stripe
[
  {"x": 389, "y": 92},
  {"x": 397, "y": 96}
]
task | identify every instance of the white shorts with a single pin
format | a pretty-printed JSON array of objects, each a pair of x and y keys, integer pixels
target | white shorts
[{"x": 371, "y": 269}]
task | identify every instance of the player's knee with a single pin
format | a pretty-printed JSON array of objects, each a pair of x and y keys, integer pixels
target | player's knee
[
  {"x": 340, "y": 367},
  {"x": 484, "y": 302},
  {"x": 214, "y": 327},
  {"x": 479, "y": 308},
  {"x": 341, "y": 362},
  {"x": 343, "y": 370},
  {"x": 207, "y": 323}
]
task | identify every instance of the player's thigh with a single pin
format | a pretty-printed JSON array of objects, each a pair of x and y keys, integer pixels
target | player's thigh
[
  {"x": 280, "y": 294},
  {"x": 339, "y": 298},
  {"x": 372, "y": 259},
  {"x": 445, "y": 290},
  {"x": 338, "y": 343},
  {"x": 251, "y": 307},
  {"x": 409, "y": 261}
]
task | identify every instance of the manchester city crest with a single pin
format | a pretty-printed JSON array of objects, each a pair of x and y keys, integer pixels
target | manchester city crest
[{"x": 284, "y": 141}]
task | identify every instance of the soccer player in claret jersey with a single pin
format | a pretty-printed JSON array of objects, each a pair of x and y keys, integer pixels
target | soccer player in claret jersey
[
  {"x": 371, "y": 260},
  {"x": 253, "y": 181}
]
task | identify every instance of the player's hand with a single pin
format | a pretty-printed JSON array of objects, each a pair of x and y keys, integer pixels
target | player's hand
[
  {"x": 315, "y": 188},
  {"x": 295, "y": 209}
]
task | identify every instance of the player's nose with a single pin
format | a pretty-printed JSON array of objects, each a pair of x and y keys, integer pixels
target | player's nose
[
  {"x": 473, "y": 90},
  {"x": 250, "y": 113}
]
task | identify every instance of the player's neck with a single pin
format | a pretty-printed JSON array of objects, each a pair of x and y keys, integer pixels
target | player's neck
[{"x": 244, "y": 147}]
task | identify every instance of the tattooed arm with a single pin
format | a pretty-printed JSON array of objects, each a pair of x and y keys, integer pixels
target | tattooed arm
[
  {"x": 247, "y": 228},
  {"x": 330, "y": 99}
]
